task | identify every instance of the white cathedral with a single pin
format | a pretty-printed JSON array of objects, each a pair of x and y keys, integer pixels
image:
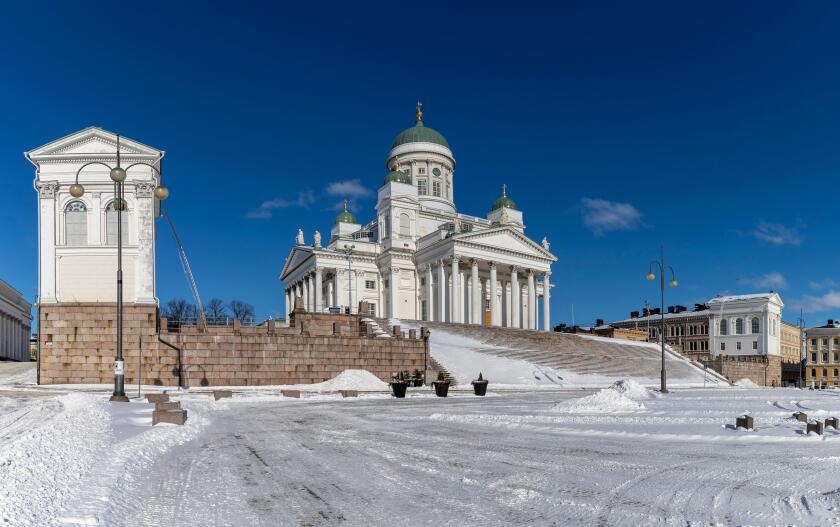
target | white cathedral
[{"x": 420, "y": 258}]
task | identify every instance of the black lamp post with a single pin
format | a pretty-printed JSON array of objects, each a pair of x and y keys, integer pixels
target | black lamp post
[
  {"x": 118, "y": 176},
  {"x": 348, "y": 250},
  {"x": 651, "y": 276}
]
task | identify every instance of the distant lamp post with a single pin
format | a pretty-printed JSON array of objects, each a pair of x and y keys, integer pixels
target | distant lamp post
[
  {"x": 118, "y": 176},
  {"x": 651, "y": 276},
  {"x": 348, "y": 250}
]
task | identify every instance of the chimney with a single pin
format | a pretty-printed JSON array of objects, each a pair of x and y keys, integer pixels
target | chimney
[
  {"x": 699, "y": 307},
  {"x": 679, "y": 309},
  {"x": 670, "y": 309},
  {"x": 655, "y": 311},
  {"x": 634, "y": 314},
  {"x": 830, "y": 322},
  {"x": 599, "y": 322},
  {"x": 646, "y": 312}
]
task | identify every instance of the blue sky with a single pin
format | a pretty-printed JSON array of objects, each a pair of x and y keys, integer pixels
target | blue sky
[{"x": 710, "y": 128}]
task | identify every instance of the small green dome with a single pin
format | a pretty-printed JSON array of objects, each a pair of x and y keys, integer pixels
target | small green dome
[
  {"x": 345, "y": 216},
  {"x": 419, "y": 133},
  {"x": 504, "y": 202},
  {"x": 397, "y": 176}
]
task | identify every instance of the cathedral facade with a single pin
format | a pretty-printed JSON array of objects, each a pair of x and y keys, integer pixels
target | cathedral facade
[{"x": 422, "y": 259}]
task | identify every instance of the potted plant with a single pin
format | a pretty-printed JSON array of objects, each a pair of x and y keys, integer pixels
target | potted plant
[
  {"x": 480, "y": 385},
  {"x": 441, "y": 385},
  {"x": 398, "y": 385},
  {"x": 418, "y": 378}
]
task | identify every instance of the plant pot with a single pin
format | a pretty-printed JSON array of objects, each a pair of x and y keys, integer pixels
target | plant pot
[
  {"x": 398, "y": 388},
  {"x": 417, "y": 383},
  {"x": 480, "y": 387},
  {"x": 441, "y": 388}
]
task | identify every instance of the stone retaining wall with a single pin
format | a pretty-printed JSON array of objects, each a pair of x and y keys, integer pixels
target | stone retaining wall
[
  {"x": 78, "y": 345},
  {"x": 764, "y": 371}
]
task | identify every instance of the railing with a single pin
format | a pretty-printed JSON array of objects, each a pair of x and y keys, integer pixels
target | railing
[{"x": 176, "y": 324}]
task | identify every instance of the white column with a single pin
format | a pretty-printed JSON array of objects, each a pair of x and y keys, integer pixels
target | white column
[
  {"x": 359, "y": 288},
  {"x": 288, "y": 307},
  {"x": 476, "y": 303},
  {"x": 508, "y": 294},
  {"x": 494, "y": 312},
  {"x": 516, "y": 297},
  {"x": 454, "y": 310},
  {"x": 430, "y": 300},
  {"x": 392, "y": 292},
  {"x": 144, "y": 215},
  {"x": 441, "y": 291},
  {"x": 331, "y": 292},
  {"x": 546, "y": 302},
  {"x": 319, "y": 287},
  {"x": 463, "y": 297},
  {"x": 532, "y": 301},
  {"x": 305, "y": 293},
  {"x": 46, "y": 240}
]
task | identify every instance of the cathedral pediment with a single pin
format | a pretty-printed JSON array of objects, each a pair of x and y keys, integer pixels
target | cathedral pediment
[
  {"x": 298, "y": 255},
  {"x": 93, "y": 142},
  {"x": 506, "y": 239}
]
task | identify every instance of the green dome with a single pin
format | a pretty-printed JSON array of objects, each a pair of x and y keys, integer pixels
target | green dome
[
  {"x": 345, "y": 216},
  {"x": 397, "y": 176},
  {"x": 504, "y": 202},
  {"x": 419, "y": 133}
]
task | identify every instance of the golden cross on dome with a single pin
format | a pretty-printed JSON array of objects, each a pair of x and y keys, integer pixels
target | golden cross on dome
[
  {"x": 504, "y": 190},
  {"x": 345, "y": 205},
  {"x": 419, "y": 110}
]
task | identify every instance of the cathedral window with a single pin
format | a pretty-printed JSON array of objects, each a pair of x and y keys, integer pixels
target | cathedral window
[
  {"x": 370, "y": 284},
  {"x": 421, "y": 170},
  {"x": 436, "y": 189},
  {"x": 75, "y": 223},
  {"x": 422, "y": 187},
  {"x": 405, "y": 226},
  {"x": 111, "y": 224}
]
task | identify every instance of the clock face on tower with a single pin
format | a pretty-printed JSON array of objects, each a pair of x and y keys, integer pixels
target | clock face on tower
[{"x": 436, "y": 171}]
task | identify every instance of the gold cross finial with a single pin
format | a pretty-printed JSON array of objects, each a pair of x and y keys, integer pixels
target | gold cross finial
[
  {"x": 345, "y": 205},
  {"x": 504, "y": 190},
  {"x": 419, "y": 111}
]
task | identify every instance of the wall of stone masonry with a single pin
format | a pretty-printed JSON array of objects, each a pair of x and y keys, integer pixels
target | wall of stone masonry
[
  {"x": 78, "y": 343},
  {"x": 764, "y": 371}
]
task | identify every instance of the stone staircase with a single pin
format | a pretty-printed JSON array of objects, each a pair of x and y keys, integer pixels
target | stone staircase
[
  {"x": 436, "y": 366},
  {"x": 575, "y": 353}
]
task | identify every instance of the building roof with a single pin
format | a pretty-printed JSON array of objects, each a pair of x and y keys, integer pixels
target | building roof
[
  {"x": 668, "y": 316},
  {"x": 419, "y": 133},
  {"x": 742, "y": 298}
]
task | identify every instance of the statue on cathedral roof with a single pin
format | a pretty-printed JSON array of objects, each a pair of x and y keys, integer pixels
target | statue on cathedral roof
[
  {"x": 300, "y": 240},
  {"x": 545, "y": 243},
  {"x": 317, "y": 238}
]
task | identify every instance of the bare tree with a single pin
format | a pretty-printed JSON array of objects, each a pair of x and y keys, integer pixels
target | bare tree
[
  {"x": 175, "y": 310},
  {"x": 215, "y": 310},
  {"x": 241, "y": 310}
]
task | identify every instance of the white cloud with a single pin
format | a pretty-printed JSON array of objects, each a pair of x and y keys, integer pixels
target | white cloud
[
  {"x": 773, "y": 280},
  {"x": 814, "y": 304},
  {"x": 601, "y": 216},
  {"x": 264, "y": 211},
  {"x": 822, "y": 285},
  {"x": 776, "y": 234},
  {"x": 350, "y": 188}
]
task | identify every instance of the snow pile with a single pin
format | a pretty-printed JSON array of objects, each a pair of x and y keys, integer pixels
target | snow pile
[
  {"x": 607, "y": 400},
  {"x": 633, "y": 390},
  {"x": 746, "y": 383},
  {"x": 351, "y": 380}
]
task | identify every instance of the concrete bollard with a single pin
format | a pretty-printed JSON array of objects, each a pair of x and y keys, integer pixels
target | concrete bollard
[
  {"x": 801, "y": 417},
  {"x": 745, "y": 422},
  {"x": 157, "y": 397},
  {"x": 412, "y": 334},
  {"x": 814, "y": 426},
  {"x": 171, "y": 405},
  {"x": 222, "y": 394},
  {"x": 832, "y": 422},
  {"x": 291, "y": 393},
  {"x": 397, "y": 332},
  {"x": 349, "y": 393},
  {"x": 175, "y": 417}
]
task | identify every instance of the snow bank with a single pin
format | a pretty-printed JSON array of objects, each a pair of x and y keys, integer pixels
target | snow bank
[
  {"x": 633, "y": 390},
  {"x": 351, "y": 380},
  {"x": 746, "y": 383},
  {"x": 607, "y": 400}
]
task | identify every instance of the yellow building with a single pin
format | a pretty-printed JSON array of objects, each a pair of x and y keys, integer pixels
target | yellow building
[{"x": 822, "y": 366}]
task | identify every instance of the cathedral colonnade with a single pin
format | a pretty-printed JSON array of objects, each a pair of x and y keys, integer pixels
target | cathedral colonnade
[
  {"x": 328, "y": 287},
  {"x": 459, "y": 290}
]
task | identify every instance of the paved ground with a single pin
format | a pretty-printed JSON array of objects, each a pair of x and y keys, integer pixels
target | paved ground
[{"x": 504, "y": 460}]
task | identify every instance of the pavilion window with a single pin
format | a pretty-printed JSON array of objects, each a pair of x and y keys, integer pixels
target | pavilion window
[
  {"x": 739, "y": 326},
  {"x": 75, "y": 223},
  {"x": 111, "y": 224},
  {"x": 724, "y": 330},
  {"x": 755, "y": 325}
]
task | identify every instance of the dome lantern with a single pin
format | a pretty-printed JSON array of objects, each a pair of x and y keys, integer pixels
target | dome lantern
[{"x": 396, "y": 175}]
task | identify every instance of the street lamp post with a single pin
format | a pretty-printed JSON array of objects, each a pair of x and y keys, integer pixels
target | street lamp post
[
  {"x": 118, "y": 176},
  {"x": 651, "y": 276},
  {"x": 348, "y": 250}
]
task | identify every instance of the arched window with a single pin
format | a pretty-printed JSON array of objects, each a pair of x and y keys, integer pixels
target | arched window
[
  {"x": 739, "y": 326},
  {"x": 755, "y": 325},
  {"x": 405, "y": 226},
  {"x": 75, "y": 223},
  {"x": 111, "y": 224},
  {"x": 723, "y": 327}
]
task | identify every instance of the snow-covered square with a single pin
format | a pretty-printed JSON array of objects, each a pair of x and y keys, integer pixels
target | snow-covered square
[{"x": 623, "y": 455}]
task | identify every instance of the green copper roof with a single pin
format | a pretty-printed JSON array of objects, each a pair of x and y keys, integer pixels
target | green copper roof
[
  {"x": 504, "y": 202},
  {"x": 397, "y": 176},
  {"x": 345, "y": 216},
  {"x": 419, "y": 134}
]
